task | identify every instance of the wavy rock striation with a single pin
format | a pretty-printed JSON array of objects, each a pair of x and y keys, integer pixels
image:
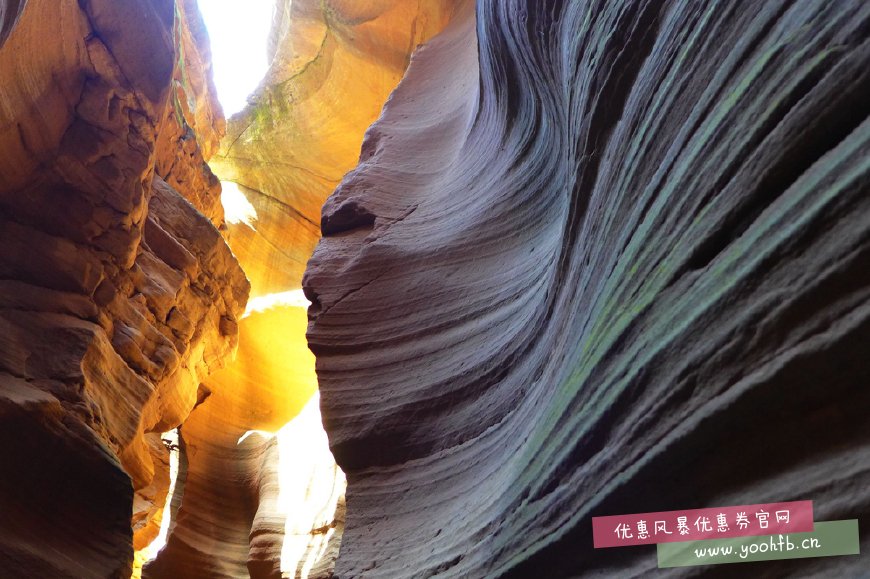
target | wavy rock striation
[
  {"x": 117, "y": 296},
  {"x": 333, "y": 64},
  {"x": 610, "y": 257},
  {"x": 253, "y": 498}
]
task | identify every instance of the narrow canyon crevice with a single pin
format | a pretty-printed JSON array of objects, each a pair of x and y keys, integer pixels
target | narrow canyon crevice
[
  {"x": 132, "y": 305},
  {"x": 461, "y": 276}
]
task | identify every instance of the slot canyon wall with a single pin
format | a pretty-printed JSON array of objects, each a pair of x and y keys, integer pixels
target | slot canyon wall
[
  {"x": 256, "y": 446},
  {"x": 613, "y": 258},
  {"x": 106, "y": 133},
  {"x": 118, "y": 294},
  {"x": 591, "y": 258}
]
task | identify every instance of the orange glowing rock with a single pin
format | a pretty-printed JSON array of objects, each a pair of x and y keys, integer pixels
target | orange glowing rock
[
  {"x": 334, "y": 65},
  {"x": 117, "y": 297}
]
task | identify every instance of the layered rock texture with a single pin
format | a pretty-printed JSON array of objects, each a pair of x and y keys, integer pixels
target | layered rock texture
[
  {"x": 606, "y": 257},
  {"x": 193, "y": 123},
  {"x": 117, "y": 295},
  {"x": 262, "y": 494},
  {"x": 596, "y": 257},
  {"x": 334, "y": 64}
]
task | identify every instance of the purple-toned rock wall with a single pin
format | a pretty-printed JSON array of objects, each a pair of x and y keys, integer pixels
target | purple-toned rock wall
[{"x": 600, "y": 258}]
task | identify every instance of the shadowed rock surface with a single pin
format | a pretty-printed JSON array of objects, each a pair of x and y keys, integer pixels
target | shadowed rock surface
[{"x": 611, "y": 257}]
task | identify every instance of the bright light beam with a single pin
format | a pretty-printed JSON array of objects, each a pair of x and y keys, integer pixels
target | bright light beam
[
  {"x": 237, "y": 208},
  {"x": 239, "y": 32}
]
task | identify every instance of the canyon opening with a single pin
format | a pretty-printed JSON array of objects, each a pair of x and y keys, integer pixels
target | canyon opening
[{"x": 434, "y": 288}]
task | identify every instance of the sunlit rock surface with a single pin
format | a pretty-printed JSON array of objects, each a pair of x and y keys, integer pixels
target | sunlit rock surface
[
  {"x": 607, "y": 257},
  {"x": 333, "y": 66},
  {"x": 301, "y": 494},
  {"x": 117, "y": 296},
  {"x": 229, "y": 448},
  {"x": 193, "y": 124}
]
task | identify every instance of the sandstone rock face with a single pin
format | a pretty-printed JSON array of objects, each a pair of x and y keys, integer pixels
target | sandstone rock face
[
  {"x": 595, "y": 258},
  {"x": 117, "y": 296},
  {"x": 609, "y": 258},
  {"x": 334, "y": 64},
  {"x": 230, "y": 522},
  {"x": 10, "y": 10},
  {"x": 243, "y": 513},
  {"x": 194, "y": 124}
]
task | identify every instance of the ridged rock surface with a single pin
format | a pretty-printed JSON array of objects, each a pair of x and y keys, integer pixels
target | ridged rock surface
[
  {"x": 245, "y": 510},
  {"x": 609, "y": 257},
  {"x": 117, "y": 296},
  {"x": 333, "y": 65},
  {"x": 193, "y": 124}
]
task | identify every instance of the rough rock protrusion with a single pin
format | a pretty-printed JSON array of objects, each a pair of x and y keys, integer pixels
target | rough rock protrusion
[
  {"x": 334, "y": 63},
  {"x": 193, "y": 124},
  {"x": 114, "y": 290}
]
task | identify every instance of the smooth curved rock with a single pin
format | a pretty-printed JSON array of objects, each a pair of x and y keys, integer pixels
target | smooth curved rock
[
  {"x": 596, "y": 258},
  {"x": 611, "y": 258},
  {"x": 228, "y": 447}
]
